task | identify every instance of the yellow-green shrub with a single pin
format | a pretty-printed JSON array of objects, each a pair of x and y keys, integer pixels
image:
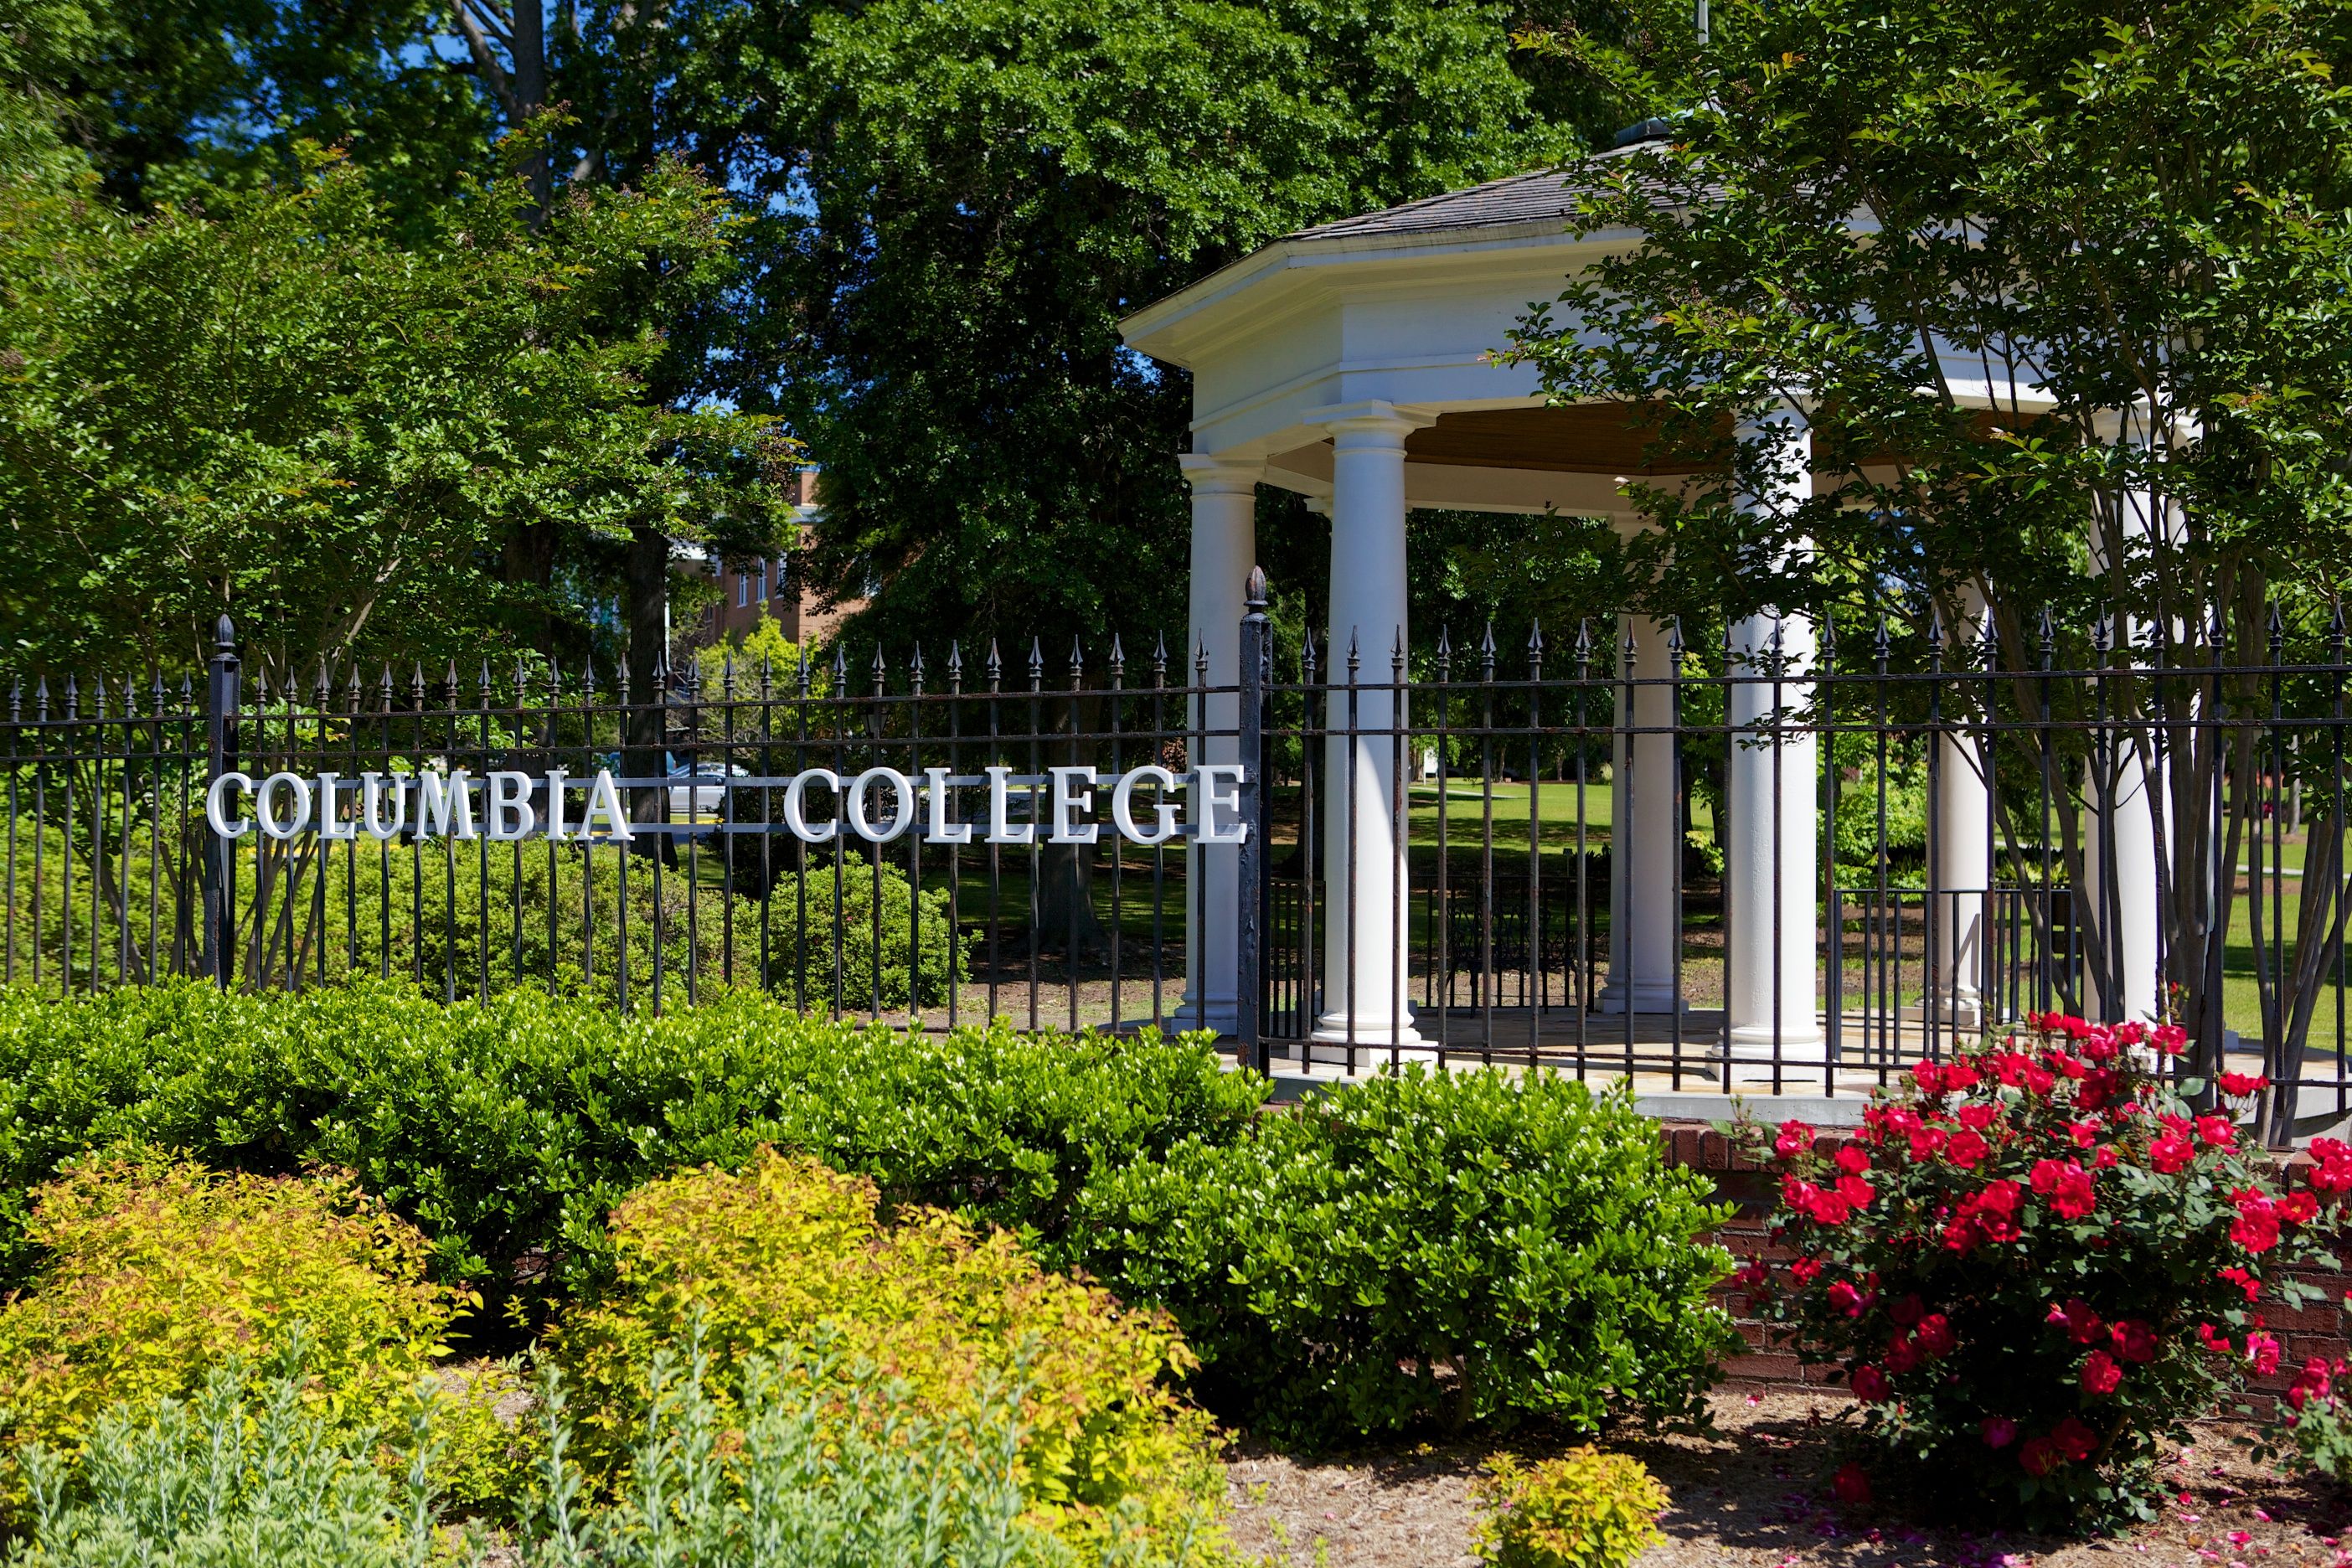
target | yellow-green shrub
[
  {"x": 1584, "y": 1510},
  {"x": 161, "y": 1271},
  {"x": 789, "y": 1252}
]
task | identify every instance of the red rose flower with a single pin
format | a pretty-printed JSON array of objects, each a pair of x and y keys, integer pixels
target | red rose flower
[
  {"x": 1855, "y": 1190},
  {"x": 2133, "y": 1340},
  {"x": 1965, "y": 1150},
  {"x": 2170, "y": 1154},
  {"x": 2242, "y": 1085},
  {"x": 2083, "y": 1133},
  {"x": 2038, "y": 1080},
  {"x": 1869, "y": 1383},
  {"x": 2261, "y": 1353},
  {"x": 1959, "y": 1075},
  {"x": 2073, "y": 1439},
  {"x": 2170, "y": 1038},
  {"x": 1806, "y": 1269},
  {"x": 2219, "y": 1343},
  {"x": 1976, "y": 1118},
  {"x": 2067, "y": 1186},
  {"x": 2332, "y": 1173},
  {"x": 1816, "y": 1204},
  {"x": 1935, "y": 1334},
  {"x": 1998, "y": 1431},
  {"x": 1851, "y": 1485},
  {"x": 1852, "y": 1160},
  {"x": 2298, "y": 1207},
  {"x": 2217, "y": 1132},
  {"x": 1902, "y": 1352},
  {"x": 2242, "y": 1280},
  {"x": 2101, "y": 1374},
  {"x": 1929, "y": 1077},
  {"x": 2040, "y": 1457},
  {"x": 2256, "y": 1227},
  {"x": 2081, "y": 1323},
  {"x": 1994, "y": 1210},
  {"x": 1847, "y": 1297},
  {"x": 2317, "y": 1375},
  {"x": 1795, "y": 1139},
  {"x": 2105, "y": 1158}
]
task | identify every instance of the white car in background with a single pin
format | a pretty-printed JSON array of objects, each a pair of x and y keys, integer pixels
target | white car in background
[{"x": 698, "y": 792}]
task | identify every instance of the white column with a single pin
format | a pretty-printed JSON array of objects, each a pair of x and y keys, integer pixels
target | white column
[
  {"x": 2121, "y": 898},
  {"x": 1644, "y": 836},
  {"x": 1963, "y": 843},
  {"x": 1366, "y": 914},
  {"x": 1772, "y": 859},
  {"x": 1224, "y": 548}
]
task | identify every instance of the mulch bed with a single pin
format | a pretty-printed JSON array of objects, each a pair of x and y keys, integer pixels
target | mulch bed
[{"x": 1755, "y": 1495}]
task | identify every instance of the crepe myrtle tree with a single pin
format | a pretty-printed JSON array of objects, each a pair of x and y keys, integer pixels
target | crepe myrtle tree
[{"x": 2134, "y": 213}]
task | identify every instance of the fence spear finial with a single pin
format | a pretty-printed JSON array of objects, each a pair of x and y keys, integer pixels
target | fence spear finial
[{"x": 1253, "y": 591}]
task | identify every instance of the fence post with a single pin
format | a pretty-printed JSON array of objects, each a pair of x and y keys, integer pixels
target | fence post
[
  {"x": 1249, "y": 1040},
  {"x": 220, "y": 757}
]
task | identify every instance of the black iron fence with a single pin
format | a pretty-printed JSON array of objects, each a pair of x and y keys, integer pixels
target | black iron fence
[{"x": 1773, "y": 863}]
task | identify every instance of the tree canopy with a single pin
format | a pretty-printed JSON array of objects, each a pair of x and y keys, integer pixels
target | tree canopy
[{"x": 355, "y": 433}]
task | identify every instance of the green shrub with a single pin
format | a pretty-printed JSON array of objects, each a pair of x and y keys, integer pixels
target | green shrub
[
  {"x": 509, "y": 1129},
  {"x": 160, "y": 1272},
  {"x": 1584, "y": 1510},
  {"x": 1454, "y": 1246},
  {"x": 789, "y": 1252},
  {"x": 230, "y": 1479}
]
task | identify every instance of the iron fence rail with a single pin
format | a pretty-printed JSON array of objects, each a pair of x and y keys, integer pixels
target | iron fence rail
[{"x": 1512, "y": 796}]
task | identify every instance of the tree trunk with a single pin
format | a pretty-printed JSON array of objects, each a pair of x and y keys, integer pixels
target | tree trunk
[{"x": 531, "y": 97}]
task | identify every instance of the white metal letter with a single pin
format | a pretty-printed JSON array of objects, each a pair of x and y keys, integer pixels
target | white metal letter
[
  {"x": 265, "y": 814},
  {"x": 1209, "y": 800},
  {"x": 333, "y": 822},
  {"x": 942, "y": 831},
  {"x": 1067, "y": 798},
  {"x": 1000, "y": 796},
  {"x": 1169, "y": 818},
  {"x": 605, "y": 795},
  {"x": 797, "y": 816},
  {"x": 228, "y": 783},
  {"x": 556, "y": 778},
  {"x": 513, "y": 816},
  {"x": 372, "y": 795},
  {"x": 443, "y": 799},
  {"x": 904, "y": 788}
]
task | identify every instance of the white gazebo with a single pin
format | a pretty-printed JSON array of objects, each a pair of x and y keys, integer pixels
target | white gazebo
[{"x": 1357, "y": 363}]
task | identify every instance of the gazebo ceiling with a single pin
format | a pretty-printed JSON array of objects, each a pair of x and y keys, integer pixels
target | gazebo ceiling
[{"x": 1583, "y": 438}]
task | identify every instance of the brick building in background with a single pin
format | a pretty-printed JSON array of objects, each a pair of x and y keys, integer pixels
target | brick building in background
[{"x": 775, "y": 587}]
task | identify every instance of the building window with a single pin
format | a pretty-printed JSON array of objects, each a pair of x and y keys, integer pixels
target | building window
[
  {"x": 780, "y": 576},
  {"x": 742, "y": 590},
  {"x": 759, "y": 584}
]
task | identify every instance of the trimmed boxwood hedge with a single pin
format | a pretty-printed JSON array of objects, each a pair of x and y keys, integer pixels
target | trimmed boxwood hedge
[
  {"x": 1448, "y": 1248},
  {"x": 506, "y": 1130}
]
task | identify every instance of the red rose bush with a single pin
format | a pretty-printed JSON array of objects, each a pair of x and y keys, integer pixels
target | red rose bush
[{"x": 2034, "y": 1262}]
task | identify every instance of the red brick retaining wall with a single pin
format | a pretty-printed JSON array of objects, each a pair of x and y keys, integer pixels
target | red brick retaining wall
[{"x": 2304, "y": 1332}]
